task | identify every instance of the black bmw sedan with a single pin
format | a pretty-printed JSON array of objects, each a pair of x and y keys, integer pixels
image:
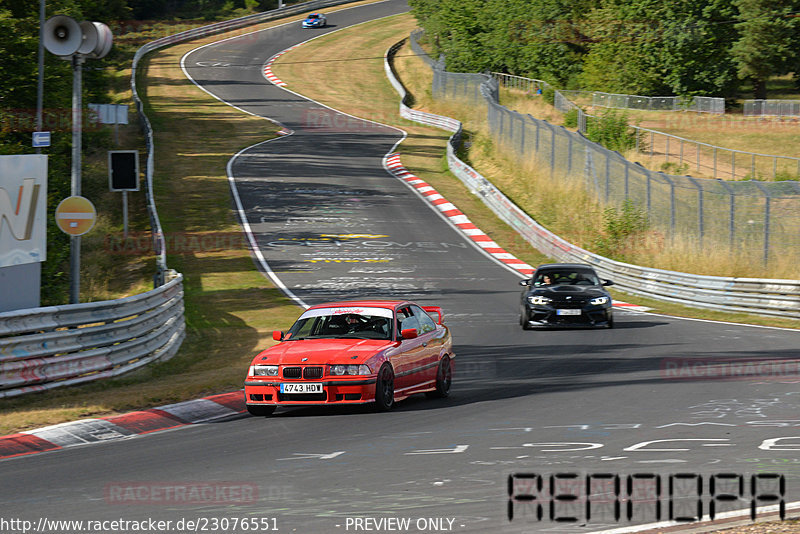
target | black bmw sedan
[{"x": 565, "y": 294}]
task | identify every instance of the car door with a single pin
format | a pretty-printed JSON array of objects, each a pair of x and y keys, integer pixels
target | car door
[
  {"x": 410, "y": 357},
  {"x": 431, "y": 343}
]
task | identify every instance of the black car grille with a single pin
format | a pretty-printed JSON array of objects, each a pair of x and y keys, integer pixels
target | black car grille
[
  {"x": 311, "y": 373},
  {"x": 569, "y": 304},
  {"x": 308, "y": 373},
  {"x": 291, "y": 372},
  {"x": 303, "y": 397}
]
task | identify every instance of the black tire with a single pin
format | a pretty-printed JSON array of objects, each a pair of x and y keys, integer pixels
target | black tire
[
  {"x": 384, "y": 389},
  {"x": 610, "y": 323},
  {"x": 444, "y": 378},
  {"x": 260, "y": 410},
  {"x": 523, "y": 321}
]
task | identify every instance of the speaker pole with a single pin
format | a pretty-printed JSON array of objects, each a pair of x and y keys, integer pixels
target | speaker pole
[
  {"x": 77, "y": 125},
  {"x": 40, "y": 85}
]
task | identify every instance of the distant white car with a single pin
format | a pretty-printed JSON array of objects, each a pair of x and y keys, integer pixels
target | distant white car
[{"x": 315, "y": 20}]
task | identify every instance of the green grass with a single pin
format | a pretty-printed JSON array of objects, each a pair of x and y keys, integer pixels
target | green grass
[
  {"x": 536, "y": 193},
  {"x": 231, "y": 308}
]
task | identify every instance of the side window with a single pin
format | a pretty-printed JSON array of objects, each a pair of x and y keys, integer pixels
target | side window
[
  {"x": 426, "y": 324},
  {"x": 404, "y": 316}
]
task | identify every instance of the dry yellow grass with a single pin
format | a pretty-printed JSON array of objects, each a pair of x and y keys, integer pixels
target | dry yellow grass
[
  {"x": 231, "y": 308},
  {"x": 356, "y": 84},
  {"x": 767, "y": 136},
  {"x": 423, "y": 151},
  {"x": 564, "y": 206}
]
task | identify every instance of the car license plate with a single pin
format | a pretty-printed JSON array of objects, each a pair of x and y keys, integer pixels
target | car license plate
[
  {"x": 313, "y": 387},
  {"x": 568, "y": 312}
]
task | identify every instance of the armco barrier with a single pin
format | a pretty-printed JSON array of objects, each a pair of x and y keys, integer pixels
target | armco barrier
[
  {"x": 44, "y": 348},
  {"x": 780, "y": 298}
]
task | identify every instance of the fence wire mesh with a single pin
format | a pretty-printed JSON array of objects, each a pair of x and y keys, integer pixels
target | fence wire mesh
[
  {"x": 761, "y": 217},
  {"x": 771, "y": 108}
]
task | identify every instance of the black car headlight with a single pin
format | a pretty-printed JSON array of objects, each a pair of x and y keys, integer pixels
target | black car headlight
[
  {"x": 599, "y": 301},
  {"x": 539, "y": 300}
]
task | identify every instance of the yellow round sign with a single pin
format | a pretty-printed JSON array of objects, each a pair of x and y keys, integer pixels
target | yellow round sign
[{"x": 75, "y": 215}]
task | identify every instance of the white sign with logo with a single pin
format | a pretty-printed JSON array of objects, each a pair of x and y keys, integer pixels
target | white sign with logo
[{"x": 23, "y": 209}]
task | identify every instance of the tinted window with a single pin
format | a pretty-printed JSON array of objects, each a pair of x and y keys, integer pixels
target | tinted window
[
  {"x": 350, "y": 325},
  {"x": 426, "y": 324},
  {"x": 567, "y": 277}
]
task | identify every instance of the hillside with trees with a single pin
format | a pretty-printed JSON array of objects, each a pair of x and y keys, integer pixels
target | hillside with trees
[
  {"x": 132, "y": 22},
  {"x": 648, "y": 47}
]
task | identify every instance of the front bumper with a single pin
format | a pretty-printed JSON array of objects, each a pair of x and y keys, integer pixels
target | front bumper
[
  {"x": 548, "y": 316},
  {"x": 334, "y": 392}
]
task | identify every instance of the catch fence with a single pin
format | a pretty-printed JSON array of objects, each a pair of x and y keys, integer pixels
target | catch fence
[
  {"x": 771, "y": 297},
  {"x": 771, "y": 108},
  {"x": 761, "y": 217},
  {"x": 672, "y": 152}
]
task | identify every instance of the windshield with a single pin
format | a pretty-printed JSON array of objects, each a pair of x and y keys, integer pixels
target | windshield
[
  {"x": 342, "y": 323},
  {"x": 566, "y": 277}
]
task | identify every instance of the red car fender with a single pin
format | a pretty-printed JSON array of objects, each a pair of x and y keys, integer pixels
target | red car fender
[{"x": 374, "y": 362}]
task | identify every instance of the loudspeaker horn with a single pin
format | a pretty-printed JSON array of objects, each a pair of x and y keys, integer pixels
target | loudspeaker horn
[
  {"x": 89, "y": 38},
  {"x": 97, "y": 39},
  {"x": 104, "y": 41},
  {"x": 62, "y": 35}
]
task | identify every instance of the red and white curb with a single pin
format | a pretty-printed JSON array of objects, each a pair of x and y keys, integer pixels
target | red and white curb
[
  {"x": 462, "y": 222},
  {"x": 455, "y": 215},
  {"x": 267, "y": 70},
  {"x": 631, "y": 307},
  {"x": 84, "y": 431}
]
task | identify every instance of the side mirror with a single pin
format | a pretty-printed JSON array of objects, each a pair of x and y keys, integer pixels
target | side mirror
[
  {"x": 607, "y": 282},
  {"x": 408, "y": 333},
  {"x": 277, "y": 335},
  {"x": 525, "y": 282}
]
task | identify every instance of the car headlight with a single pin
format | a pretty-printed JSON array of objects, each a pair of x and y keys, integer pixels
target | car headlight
[
  {"x": 263, "y": 370},
  {"x": 598, "y": 301},
  {"x": 341, "y": 370},
  {"x": 540, "y": 300}
]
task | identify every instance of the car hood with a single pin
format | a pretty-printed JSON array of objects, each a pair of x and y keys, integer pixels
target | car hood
[
  {"x": 321, "y": 351},
  {"x": 566, "y": 290}
]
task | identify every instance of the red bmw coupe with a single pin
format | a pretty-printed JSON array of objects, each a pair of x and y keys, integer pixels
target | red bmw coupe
[{"x": 353, "y": 352}]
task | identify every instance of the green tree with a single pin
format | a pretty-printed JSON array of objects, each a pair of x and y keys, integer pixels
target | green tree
[
  {"x": 543, "y": 40},
  {"x": 769, "y": 37},
  {"x": 652, "y": 47},
  {"x": 697, "y": 38}
]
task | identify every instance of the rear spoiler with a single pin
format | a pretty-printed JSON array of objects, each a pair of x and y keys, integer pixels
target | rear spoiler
[{"x": 435, "y": 309}]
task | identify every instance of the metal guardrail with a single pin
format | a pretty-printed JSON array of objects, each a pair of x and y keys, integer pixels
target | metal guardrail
[
  {"x": 779, "y": 298},
  {"x": 49, "y": 347},
  {"x": 45, "y": 348},
  {"x": 739, "y": 216}
]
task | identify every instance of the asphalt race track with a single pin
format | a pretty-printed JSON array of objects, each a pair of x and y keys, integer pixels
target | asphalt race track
[{"x": 540, "y": 405}]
